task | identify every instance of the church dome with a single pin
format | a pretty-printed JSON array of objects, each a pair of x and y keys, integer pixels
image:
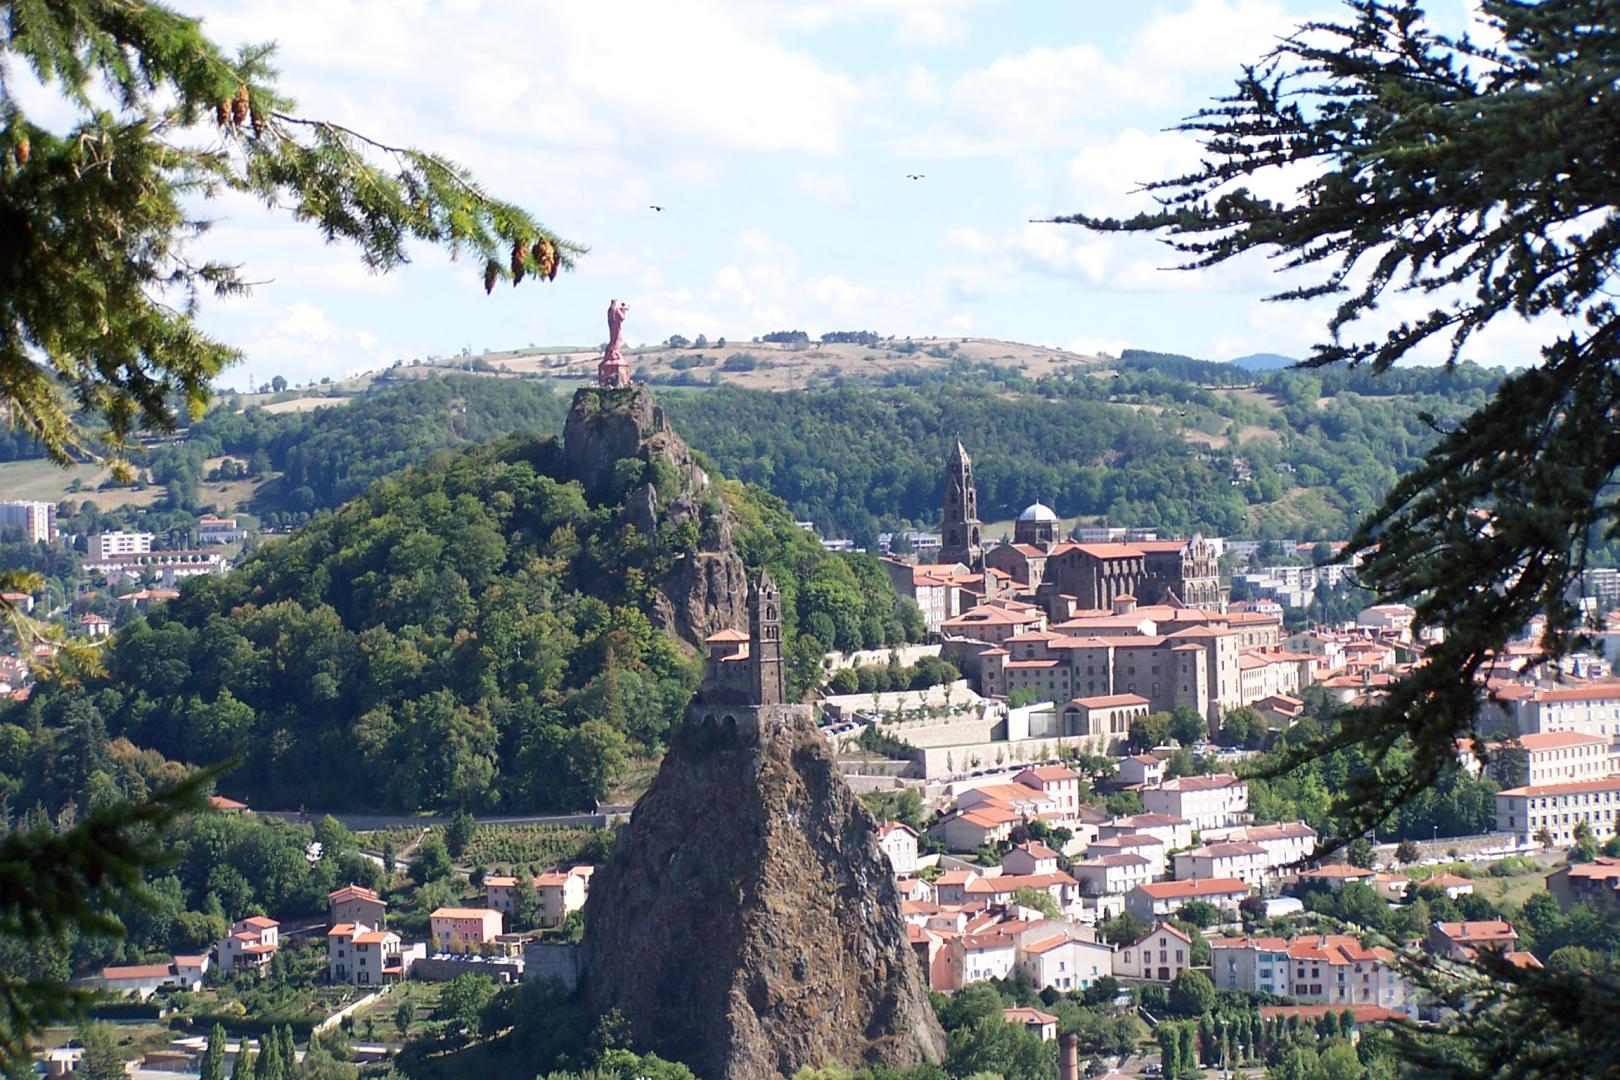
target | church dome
[{"x": 1037, "y": 512}]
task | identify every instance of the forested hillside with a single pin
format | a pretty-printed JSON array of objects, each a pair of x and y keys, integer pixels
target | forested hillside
[
  {"x": 1168, "y": 442},
  {"x": 1155, "y": 439},
  {"x": 474, "y": 632}
]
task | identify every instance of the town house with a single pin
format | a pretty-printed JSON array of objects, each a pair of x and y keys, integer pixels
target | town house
[{"x": 1159, "y": 955}]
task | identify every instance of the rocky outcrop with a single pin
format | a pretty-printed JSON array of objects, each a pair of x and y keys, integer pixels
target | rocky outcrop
[
  {"x": 747, "y": 923},
  {"x": 704, "y": 589}
]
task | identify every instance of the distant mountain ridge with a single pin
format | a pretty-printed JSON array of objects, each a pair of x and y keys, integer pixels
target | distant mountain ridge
[{"x": 1264, "y": 361}]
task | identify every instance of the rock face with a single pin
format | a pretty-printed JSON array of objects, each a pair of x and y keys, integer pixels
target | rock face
[
  {"x": 705, "y": 588},
  {"x": 747, "y": 923}
]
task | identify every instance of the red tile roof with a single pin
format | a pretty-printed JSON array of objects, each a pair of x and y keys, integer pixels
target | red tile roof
[
  {"x": 1575, "y": 787},
  {"x": 1179, "y": 890}
]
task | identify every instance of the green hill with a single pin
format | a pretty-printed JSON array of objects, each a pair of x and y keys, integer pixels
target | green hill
[{"x": 480, "y": 631}]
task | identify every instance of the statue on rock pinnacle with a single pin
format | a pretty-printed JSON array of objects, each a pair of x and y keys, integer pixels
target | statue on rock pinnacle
[{"x": 613, "y": 371}]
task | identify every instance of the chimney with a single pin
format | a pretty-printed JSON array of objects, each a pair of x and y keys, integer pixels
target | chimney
[{"x": 1069, "y": 1056}]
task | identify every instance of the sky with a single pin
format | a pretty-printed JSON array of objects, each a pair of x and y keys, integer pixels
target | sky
[{"x": 777, "y": 135}]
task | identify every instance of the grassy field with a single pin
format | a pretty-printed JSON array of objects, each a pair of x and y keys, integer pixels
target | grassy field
[{"x": 40, "y": 479}]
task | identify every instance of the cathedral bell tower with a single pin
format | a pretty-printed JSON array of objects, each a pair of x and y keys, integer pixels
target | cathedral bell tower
[
  {"x": 959, "y": 535},
  {"x": 765, "y": 642}
]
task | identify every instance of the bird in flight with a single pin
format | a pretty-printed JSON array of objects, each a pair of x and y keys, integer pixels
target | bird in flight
[
  {"x": 915, "y": 175},
  {"x": 660, "y": 209}
]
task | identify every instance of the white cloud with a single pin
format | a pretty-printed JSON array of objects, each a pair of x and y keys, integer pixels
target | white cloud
[
  {"x": 1214, "y": 35},
  {"x": 828, "y": 187},
  {"x": 921, "y": 87}
]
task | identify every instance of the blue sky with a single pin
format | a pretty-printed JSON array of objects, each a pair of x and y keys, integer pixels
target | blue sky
[{"x": 777, "y": 136}]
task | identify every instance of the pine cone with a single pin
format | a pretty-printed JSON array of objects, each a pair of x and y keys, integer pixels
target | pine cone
[
  {"x": 555, "y": 258},
  {"x": 241, "y": 106},
  {"x": 222, "y": 113},
  {"x": 492, "y": 274},
  {"x": 22, "y": 152},
  {"x": 258, "y": 122},
  {"x": 520, "y": 252}
]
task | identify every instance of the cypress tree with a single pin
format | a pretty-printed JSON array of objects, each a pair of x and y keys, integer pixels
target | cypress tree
[{"x": 213, "y": 1059}]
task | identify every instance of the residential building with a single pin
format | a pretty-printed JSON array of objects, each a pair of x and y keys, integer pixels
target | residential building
[
  {"x": 969, "y": 830},
  {"x": 1149, "y": 847},
  {"x": 899, "y": 842},
  {"x": 109, "y": 545},
  {"x": 1033, "y": 857},
  {"x": 1285, "y": 843},
  {"x": 1590, "y": 708},
  {"x": 356, "y": 904},
  {"x": 143, "y": 980},
  {"x": 218, "y": 530},
  {"x": 464, "y": 929},
  {"x": 972, "y": 958},
  {"x": 1058, "y": 782},
  {"x": 1554, "y": 810},
  {"x": 1063, "y": 963},
  {"x": 1111, "y": 875},
  {"x": 37, "y": 520},
  {"x": 1157, "y": 899},
  {"x": 1459, "y": 940},
  {"x": 1450, "y": 884},
  {"x": 1174, "y": 832},
  {"x": 94, "y": 626},
  {"x": 363, "y": 956},
  {"x": 1337, "y": 875},
  {"x": 1336, "y": 969},
  {"x": 1141, "y": 770},
  {"x": 1033, "y": 1021},
  {"x": 1253, "y": 964},
  {"x": 251, "y": 943},
  {"x": 1159, "y": 955},
  {"x": 561, "y": 892},
  {"x": 1396, "y": 617},
  {"x": 1596, "y": 882},
  {"x": 1229, "y": 859},
  {"x": 1552, "y": 757},
  {"x": 1209, "y": 802}
]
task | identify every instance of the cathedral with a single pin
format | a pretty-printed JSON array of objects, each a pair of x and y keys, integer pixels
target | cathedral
[{"x": 1041, "y": 562}]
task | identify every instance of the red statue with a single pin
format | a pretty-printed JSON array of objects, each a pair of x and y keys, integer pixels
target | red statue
[{"x": 613, "y": 371}]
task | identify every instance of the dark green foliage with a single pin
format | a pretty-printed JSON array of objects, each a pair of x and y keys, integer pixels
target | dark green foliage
[{"x": 97, "y": 210}]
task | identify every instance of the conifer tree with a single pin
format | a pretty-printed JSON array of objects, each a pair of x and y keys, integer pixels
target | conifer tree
[
  {"x": 1481, "y": 177},
  {"x": 244, "y": 1067},
  {"x": 213, "y": 1059},
  {"x": 98, "y": 297}
]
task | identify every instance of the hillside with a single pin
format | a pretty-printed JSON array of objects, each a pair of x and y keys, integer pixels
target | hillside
[
  {"x": 1148, "y": 439},
  {"x": 480, "y": 631}
]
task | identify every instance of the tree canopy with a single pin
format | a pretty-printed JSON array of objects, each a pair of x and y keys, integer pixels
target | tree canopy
[
  {"x": 98, "y": 296},
  {"x": 1482, "y": 178}
]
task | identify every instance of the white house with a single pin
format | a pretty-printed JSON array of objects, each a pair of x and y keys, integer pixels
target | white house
[
  {"x": 975, "y": 958},
  {"x": 1059, "y": 782},
  {"x": 1285, "y": 843},
  {"x": 1111, "y": 875},
  {"x": 1031, "y": 858},
  {"x": 1244, "y": 861},
  {"x": 1033, "y": 1021},
  {"x": 1157, "y": 899},
  {"x": 1159, "y": 955},
  {"x": 562, "y": 892},
  {"x": 143, "y": 980},
  {"x": 1064, "y": 963},
  {"x": 1254, "y": 964},
  {"x": 1176, "y": 833},
  {"x": 969, "y": 830},
  {"x": 362, "y": 956},
  {"x": 1209, "y": 802},
  {"x": 1558, "y": 809},
  {"x": 251, "y": 943},
  {"x": 1149, "y": 847},
  {"x": 1141, "y": 770},
  {"x": 899, "y": 842}
]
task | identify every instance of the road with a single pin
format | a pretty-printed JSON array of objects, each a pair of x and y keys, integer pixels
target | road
[{"x": 603, "y": 817}]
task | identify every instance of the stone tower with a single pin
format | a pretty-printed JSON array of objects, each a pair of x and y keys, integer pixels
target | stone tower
[
  {"x": 765, "y": 641},
  {"x": 959, "y": 536}
]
